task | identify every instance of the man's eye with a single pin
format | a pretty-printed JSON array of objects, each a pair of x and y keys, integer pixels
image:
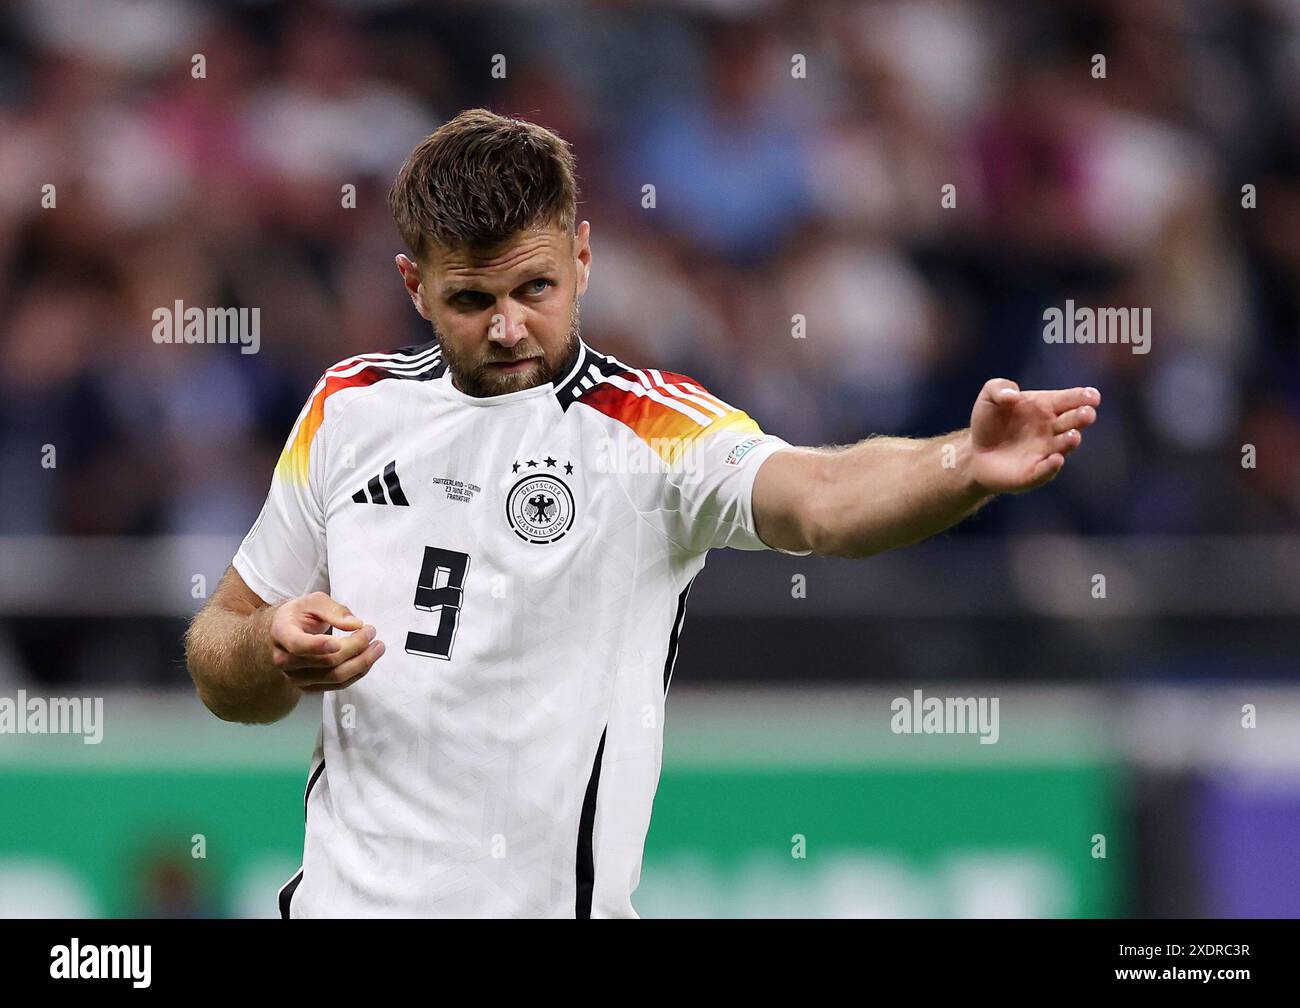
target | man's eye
[
  {"x": 532, "y": 286},
  {"x": 470, "y": 299}
]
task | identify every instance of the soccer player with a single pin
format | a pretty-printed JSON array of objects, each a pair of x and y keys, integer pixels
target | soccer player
[{"x": 477, "y": 552}]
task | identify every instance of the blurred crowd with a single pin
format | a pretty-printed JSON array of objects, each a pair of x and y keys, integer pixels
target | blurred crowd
[{"x": 798, "y": 154}]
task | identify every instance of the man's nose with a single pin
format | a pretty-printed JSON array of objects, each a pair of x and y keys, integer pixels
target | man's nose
[{"x": 506, "y": 327}]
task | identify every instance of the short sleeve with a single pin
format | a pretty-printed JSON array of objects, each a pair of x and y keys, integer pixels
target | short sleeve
[
  {"x": 283, "y": 556},
  {"x": 707, "y": 454},
  {"x": 709, "y": 491}
]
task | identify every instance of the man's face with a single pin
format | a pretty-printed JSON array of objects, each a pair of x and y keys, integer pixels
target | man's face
[{"x": 507, "y": 318}]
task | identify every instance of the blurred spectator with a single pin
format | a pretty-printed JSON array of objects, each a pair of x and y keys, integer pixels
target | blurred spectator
[{"x": 776, "y": 195}]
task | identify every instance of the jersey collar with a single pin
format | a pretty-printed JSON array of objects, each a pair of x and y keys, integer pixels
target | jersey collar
[
  {"x": 568, "y": 382},
  {"x": 562, "y": 387}
]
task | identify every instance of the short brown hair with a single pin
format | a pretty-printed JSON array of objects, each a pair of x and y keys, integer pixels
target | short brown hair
[{"x": 480, "y": 178}]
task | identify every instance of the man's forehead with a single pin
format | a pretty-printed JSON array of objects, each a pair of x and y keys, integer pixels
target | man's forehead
[{"x": 531, "y": 250}]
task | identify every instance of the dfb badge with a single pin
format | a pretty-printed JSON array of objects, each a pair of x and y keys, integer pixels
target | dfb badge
[{"x": 539, "y": 507}]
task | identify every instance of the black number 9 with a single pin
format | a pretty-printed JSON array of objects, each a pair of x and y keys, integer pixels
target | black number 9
[{"x": 449, "y": 568}]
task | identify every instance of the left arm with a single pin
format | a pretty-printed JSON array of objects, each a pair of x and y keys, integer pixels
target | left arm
[{"x": 887, "y": 492}]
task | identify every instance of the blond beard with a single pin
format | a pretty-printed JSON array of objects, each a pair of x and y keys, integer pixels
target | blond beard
[{"x": 476, "y": 377}]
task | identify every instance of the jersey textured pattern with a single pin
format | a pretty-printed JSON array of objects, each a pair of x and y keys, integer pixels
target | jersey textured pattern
[{"x": 527, "y": 559}]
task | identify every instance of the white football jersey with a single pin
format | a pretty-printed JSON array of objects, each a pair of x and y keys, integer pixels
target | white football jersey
[{"x": 526, "y": 558}]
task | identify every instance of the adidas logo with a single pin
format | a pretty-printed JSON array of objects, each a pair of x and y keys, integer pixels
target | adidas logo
[{"x": 375, "y": 488}]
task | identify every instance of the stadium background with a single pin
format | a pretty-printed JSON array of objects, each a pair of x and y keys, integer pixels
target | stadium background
[{"x": 776, "y": 195}]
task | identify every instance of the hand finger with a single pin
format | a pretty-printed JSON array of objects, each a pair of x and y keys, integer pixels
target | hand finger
[
  {"x": 334, "y": 613},
  {"x": 1001, "y": 391},
  {"x": 312, "y": 665},
  {"x": 1045, "y": 470},
  {"x": 1067, "y": 442},
  {"x": 330, "y": 687},
  {"x": 349, "y": 672},
  {"x": 344, "y": 649},
  {"x": 1068, "y": 399},
  {"x": 1075, "y": 419},
  {"x": 301, "y": 643}
]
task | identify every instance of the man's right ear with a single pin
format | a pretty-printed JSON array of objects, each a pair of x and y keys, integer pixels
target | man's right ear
[{"x": 411, "y": 280}]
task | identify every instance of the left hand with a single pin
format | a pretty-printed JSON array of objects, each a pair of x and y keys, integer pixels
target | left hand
[{"x": 1019, "y": 438}]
